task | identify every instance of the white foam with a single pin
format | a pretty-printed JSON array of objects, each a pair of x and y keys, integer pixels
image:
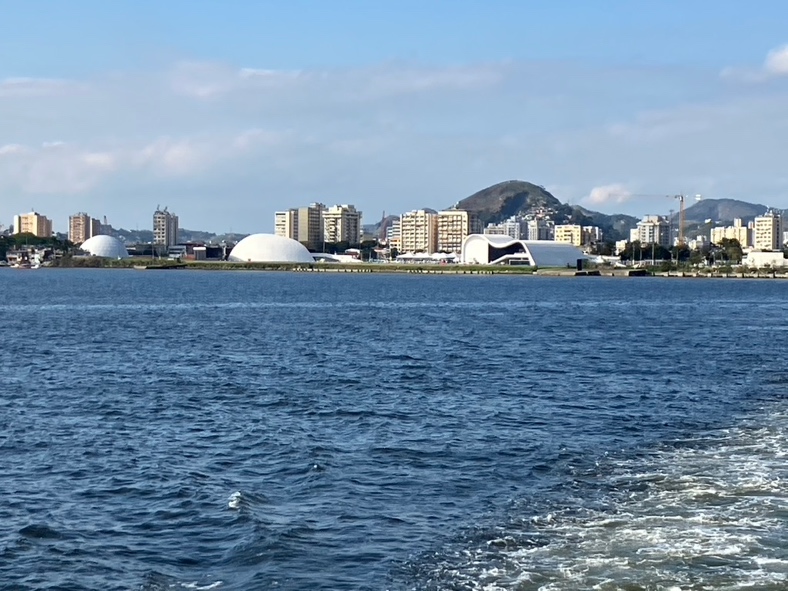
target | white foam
[
  {"x": 234, "y": 500},
  {"x": 706, "y": 516}
]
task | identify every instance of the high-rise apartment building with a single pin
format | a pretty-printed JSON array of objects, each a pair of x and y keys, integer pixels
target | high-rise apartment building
[
  {"x": 310, "y": 225},
  {"x": 394, "y": 234},
  {"x": 81, "y": 227},
  {"x": 165, "y": 227},
  {"x": 539, "y": 229},
  {"x": 33, "y": 223},
  {"x": 453, "y": 227},
  {"x": 654, "y": 229},
  {"x": 767, "y": 231},
  {"x": 286, "y": 223},
  {"x": 419, "y": 232},
  {"x": 342, "y": 223}
]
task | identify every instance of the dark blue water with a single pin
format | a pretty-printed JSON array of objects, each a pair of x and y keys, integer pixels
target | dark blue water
[{"x": 234, "y": 431}]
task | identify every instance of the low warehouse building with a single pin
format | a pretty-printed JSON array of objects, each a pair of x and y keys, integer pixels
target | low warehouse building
[{"x": 487, "y": 249}]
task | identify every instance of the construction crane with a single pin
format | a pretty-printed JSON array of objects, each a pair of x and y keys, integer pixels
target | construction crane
[
  {"x": 680, "y": 238},
  {"x": 681, "y": 200}
]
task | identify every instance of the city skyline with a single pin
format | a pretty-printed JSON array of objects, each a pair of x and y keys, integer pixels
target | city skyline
[{"x": 231, "y": 111}]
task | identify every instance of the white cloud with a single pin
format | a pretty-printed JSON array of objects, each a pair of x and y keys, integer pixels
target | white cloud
[
  {"x": 776, "y": 62},
  {"x": 775, "y": 65},
  {"x": 606, "y": 194}
]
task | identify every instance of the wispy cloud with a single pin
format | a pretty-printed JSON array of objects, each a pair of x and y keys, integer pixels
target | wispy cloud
[
  {"x": 217, "y": 140},
  {"x": 36, "y": 87}
]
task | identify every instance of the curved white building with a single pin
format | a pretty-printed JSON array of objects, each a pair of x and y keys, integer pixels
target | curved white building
[
  {"x": 491, "y": 249},
  {"x": 269, "y": 248},
  {"x": 105, "y": 246}
]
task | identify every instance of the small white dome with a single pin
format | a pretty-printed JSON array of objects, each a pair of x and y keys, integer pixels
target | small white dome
[
  {"x": 269, "y": 248},
  {"x": 105, "y": 246}
]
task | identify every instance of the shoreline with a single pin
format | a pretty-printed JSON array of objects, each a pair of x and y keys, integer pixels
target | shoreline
[{"x": 413, "y": 269}]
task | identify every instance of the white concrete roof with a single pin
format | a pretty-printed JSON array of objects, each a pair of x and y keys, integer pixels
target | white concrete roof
[
  {"x": 542, "y": 253},
  {"x": 105, "y": 246},
  {"x": 269, "y": 248}
]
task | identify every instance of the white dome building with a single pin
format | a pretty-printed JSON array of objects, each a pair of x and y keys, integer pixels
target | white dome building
[
  {"x": 268, "y": 248},
  {"x": 105, "y": 246}
]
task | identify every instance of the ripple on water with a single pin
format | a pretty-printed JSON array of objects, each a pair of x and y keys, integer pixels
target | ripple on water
[{"x": 298, "y": 431}]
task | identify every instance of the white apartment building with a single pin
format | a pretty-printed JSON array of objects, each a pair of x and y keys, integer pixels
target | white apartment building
[
  {"x": 419, "y": 232},
  {"x": 494, "y": 230},
  {"x": 453, "y": 227},
  {"x": 767, "y": 231},
  {"x": 540, "y": 230},
  {"x": 394, "y": 234},
  {"x": 342, "y": 223},
  {"x": 653, "y": 229},
  {"x": 286, "y": 223}
]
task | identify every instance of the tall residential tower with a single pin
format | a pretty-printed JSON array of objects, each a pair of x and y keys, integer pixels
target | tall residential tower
[{"x": 165, "y": 227}]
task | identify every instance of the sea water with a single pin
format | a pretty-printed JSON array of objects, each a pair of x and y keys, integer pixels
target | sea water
[{"x": 251, "y": 430}]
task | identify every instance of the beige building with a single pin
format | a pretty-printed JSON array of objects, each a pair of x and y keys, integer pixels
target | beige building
[
  {"x": 310, "y": 225},
  {"x": 81, "y": 227},
  {"x": 165, "y": 227},
  {"x": 568, "y": 234},
  {"x": 453, "y": 227},
  {"x": 738, "y": 231},
  {"x": 33, "y": 223},
  {"x": 304, "y": 224},
  {"x": 575, "y": 234},
  {"x": 342, "y": 223},
  {"x": 419, "y": 232},
  {"x": 767, "y": 232}
]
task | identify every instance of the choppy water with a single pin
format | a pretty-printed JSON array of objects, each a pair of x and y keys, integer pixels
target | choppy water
[{"x": 235, "y": 431}]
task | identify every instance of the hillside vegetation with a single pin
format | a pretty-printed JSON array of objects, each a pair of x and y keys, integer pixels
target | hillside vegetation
[{"x": 723, "y": 210}]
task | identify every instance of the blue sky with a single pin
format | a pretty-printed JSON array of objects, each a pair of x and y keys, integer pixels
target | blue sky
[{"x": 227, "y": 111}]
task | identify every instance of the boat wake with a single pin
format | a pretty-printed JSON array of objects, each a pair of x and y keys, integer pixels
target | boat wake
[{"x": 702, "y": 514}]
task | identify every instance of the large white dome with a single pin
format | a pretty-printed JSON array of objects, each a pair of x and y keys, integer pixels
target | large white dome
[
  {"x": 268, "y": 248},
  {"x": 105, "y": 246}
]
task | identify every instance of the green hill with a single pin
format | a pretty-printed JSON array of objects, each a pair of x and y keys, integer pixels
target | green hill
[{"x": 722, "y": 210}]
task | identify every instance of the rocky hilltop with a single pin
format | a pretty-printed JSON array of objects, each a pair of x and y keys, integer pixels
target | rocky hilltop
[{"x": 499, "y": 202}]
